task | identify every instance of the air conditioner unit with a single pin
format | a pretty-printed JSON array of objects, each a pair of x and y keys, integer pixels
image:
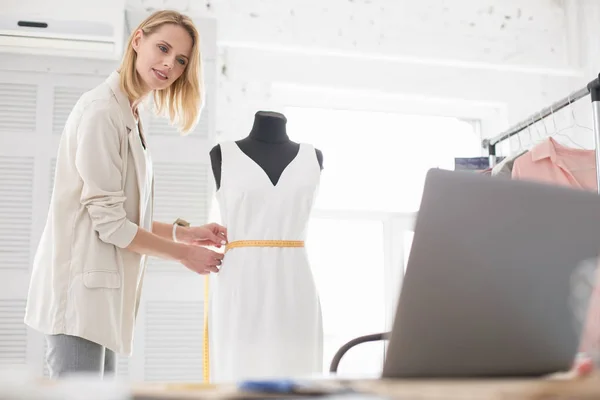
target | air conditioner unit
[{"x": 100, "y": 38}]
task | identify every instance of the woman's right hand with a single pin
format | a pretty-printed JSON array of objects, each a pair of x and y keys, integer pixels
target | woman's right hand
[{"x": 201, "y": 260}]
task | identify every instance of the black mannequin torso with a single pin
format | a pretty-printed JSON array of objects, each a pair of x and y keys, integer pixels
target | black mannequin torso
[{"x": 267, "y": 144}]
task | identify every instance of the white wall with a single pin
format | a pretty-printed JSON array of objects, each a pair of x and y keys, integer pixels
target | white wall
[
  {"x": 508, "y": 57},
  {"x": 507, "y": 32}
]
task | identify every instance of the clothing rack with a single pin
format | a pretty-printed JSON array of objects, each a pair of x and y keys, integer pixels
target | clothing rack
[{"x": 592, "y": 88}]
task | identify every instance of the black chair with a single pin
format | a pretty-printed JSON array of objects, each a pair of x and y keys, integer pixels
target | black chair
[{"x": 335, "y": 362}]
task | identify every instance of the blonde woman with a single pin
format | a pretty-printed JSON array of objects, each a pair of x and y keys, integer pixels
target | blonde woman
[{"x": 88, "y": 270}]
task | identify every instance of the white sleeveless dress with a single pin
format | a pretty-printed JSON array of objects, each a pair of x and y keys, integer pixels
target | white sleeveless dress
[{"x": 265, "y": 316}]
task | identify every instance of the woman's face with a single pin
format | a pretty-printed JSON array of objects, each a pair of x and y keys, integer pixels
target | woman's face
[{"x": 162, "y": 56}]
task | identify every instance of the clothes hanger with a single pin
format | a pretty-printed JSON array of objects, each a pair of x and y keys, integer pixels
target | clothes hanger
[
  {"x": 575, "y": 120},
  {"x": 537, "y": 129},
  {"x": 532, "y": 141},
  {"x": 513, "y": 155},
  {"x": 574, "y": 125},
  {"x": 546, "y": 126},
  {"x": 520, "y": 148}
]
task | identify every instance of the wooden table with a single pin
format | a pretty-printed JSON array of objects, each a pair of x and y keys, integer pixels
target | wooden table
[{"x": 552, "y": 388}]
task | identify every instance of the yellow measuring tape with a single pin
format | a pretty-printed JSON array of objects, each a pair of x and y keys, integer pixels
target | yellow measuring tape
[
  {"x": 205, "y": 355},
  {"x": 229, "y": 246},
  {"x": 264, "y": 243}
]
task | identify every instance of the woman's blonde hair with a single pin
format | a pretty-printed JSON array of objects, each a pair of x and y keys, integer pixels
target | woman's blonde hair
[{"x": 182, "y": 101}]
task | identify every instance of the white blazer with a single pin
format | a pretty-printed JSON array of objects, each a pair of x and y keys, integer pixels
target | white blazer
[{"x": 84, "y": 282}]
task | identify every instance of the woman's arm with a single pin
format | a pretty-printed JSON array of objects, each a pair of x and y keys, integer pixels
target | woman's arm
[
  {"x": 99, "y": 162},
  {"x": 165, "y": 231},
  {"x": 205, "y": 235},
  {"x": 196, "y": 258},
  {"x": 156, "y": 245}
]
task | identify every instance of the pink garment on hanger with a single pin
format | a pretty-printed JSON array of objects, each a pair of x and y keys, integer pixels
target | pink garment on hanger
[{"x": 551, "y": 162}]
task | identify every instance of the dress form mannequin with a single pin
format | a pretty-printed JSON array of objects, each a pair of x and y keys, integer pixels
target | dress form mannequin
[
  {"x": 264, "y": 318},
  {"x": 268, "y": 144}
]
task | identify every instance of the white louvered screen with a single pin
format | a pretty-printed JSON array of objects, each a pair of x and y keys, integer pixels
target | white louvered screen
[
  {"x": 160, "y": 126},
  {"x": 180, "y": 191},
  {"x": 173, "y": 341},
  {"x": 203, "y": 127},
  {"x": 46, "y": 371},
  {"x": 64, "y": 100},
  {"x": 16, "y": 205},
  {"x": 52, "y": 172},
  {"x": 203, "y": 130},
  {"x": 13, "y": 337},
  {"x": 123, "y": 367},
  {"x": 18, "y": 104}
]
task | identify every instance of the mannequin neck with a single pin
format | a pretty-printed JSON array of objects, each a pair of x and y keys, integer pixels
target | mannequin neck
[{"x": 269, "y": 127}]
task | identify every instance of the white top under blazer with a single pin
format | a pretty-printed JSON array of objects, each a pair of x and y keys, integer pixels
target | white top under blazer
[{"x": 84, "y": 282}]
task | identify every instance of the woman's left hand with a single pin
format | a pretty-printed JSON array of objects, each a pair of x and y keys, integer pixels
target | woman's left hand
[{"x": 206, "y": 235}]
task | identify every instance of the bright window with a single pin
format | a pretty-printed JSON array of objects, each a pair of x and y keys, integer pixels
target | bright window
[
  {"x": 347, "y": 268},
  {"x": 375, "y": 166},
  {"x": 378, "y": 161},
  {"x": 408, "y": 239}
]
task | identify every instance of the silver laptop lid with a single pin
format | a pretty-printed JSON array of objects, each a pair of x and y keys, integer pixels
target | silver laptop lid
[{"x": 488, "y": 286}]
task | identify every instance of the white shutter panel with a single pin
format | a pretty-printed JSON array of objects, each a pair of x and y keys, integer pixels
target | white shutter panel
[
  {"x": 173, "y": 341},
  {"x": 123, "y": 367},
  {"x": 17, "y": 108},
  {"x": 52, "y": 172},
  {"x": 13, "y": 337},
  {"x": 180, "y": 191},
  {"x": 64, "y": 100},
  {"x": 46, "y": 371},
  {"x": 161, "y": 126},
  {"x": 16, "y": 205},
  {"x": 207, "y": 117},
  {"x": 203, "y": 129}
]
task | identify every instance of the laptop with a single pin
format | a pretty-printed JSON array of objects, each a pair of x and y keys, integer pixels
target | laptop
[{"x": 488, "y": 290}]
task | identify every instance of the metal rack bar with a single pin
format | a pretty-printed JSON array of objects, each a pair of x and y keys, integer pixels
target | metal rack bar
[
  {"x": 595, "y": 96},
  {"x": 592, "y": 88},
  {"x": 573, "y": 97}
]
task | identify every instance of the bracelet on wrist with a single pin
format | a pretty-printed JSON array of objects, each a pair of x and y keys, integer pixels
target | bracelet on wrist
[
  {"x": 175, "y": 233},
  {"x": 178, "y": 222}
]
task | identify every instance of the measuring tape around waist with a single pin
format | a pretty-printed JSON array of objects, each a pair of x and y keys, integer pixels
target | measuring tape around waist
[
  {"x": 229, "y": 246},
  {"x": 263, "y": 243}
]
